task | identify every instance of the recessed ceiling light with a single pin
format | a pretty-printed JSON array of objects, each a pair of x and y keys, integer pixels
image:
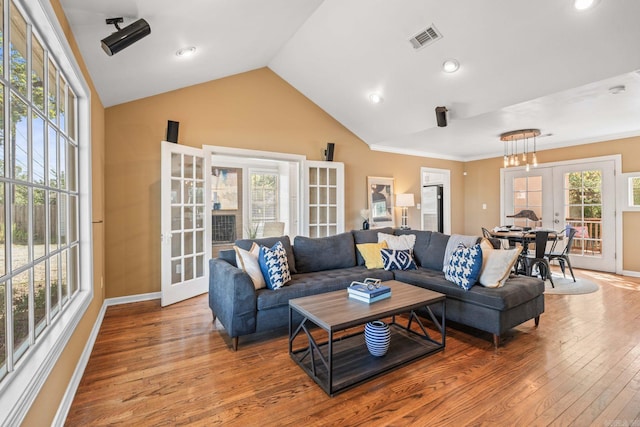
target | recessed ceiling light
[
  {"x": 186, "y": 51},
  {"x": 584, "y": 4},
  {"x": 375, "y": 97},
  {"x": 450, "y": 66}
]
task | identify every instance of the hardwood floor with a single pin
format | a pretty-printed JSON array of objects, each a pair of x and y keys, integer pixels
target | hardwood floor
[{"x": 172, "y": 366}]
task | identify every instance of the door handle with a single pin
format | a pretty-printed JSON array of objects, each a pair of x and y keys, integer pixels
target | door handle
[{"x": 557, "y": 221}]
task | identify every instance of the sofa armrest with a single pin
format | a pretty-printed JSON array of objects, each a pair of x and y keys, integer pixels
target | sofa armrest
[{"x": 232, "y": 298}]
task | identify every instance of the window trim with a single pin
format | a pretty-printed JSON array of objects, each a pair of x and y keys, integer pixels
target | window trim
[
  {"x": 624, "y": 195},
  {"x": 21, "y": 387}
]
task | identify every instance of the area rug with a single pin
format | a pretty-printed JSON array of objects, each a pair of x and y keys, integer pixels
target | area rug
[{"x": 566, "y": 286}]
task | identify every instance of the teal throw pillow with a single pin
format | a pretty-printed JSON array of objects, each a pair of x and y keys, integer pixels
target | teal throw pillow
[
  {"x": 464, "y": 266},
  {"x": 274, "y": 266}
]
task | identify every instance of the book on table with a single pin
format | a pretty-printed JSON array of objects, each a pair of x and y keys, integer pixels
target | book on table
[
  {"x": 370, "y": 300},
  {"x": 366, "y": 290}
]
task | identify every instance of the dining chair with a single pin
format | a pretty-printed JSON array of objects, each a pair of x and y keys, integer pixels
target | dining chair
[
  {"x": 486, "y": 233},
  {"x": 538, "y": 259},
  {"x": 273, "y": 229},
  {"x": 563, "y": 256}
]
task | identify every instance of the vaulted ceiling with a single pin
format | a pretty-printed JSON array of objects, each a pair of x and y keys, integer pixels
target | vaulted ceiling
[{"x": 523, "y": 64}]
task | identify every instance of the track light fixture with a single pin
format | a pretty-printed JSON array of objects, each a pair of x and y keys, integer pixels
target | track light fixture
[{"x": 126, "y": 36}]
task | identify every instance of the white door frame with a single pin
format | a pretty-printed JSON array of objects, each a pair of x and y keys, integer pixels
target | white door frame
[
  {"x": 617, "y": 160},
  {"x": 446, "y": 195},
  {"x": 296, "y": 211}
]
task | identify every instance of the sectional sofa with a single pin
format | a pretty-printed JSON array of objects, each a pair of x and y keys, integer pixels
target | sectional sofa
[{"x": 332, "y": 263}]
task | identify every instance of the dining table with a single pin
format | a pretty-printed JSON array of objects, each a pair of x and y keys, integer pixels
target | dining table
[
  {"x": 522, "y": 236},
  {"x": 527, "y": 238}
]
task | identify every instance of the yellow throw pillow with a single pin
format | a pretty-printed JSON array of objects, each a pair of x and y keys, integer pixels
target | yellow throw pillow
[
  {"x": 371, "y": 253},
  {"x": 496, "y": 264}
]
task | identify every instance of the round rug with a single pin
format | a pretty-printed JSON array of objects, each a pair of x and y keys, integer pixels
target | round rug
[{"x": 566, "y": 286}]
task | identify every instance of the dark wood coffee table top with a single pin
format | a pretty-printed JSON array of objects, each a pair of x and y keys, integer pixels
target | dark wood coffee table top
[{"x": 334, "y": 311}]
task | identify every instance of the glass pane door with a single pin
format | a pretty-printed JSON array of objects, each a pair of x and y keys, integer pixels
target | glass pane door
[
  {"x": 184, "y": 248},
  {"x": 325, "y": 198},
  {"x": 585, "y": 200}
]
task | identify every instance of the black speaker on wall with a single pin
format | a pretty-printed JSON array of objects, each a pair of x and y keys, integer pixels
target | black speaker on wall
[
  {"x": 441, "y": 116},
  {"x": 329, "y": 151},
  {"x": 172, "y": 131}
]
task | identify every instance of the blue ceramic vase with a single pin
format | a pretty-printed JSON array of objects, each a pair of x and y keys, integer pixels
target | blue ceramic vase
[{"x": 377, "y": 336}]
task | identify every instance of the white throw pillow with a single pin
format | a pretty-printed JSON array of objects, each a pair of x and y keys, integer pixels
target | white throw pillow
[
  {"x": 248, "y": 261},
  {"x": 496, "y": 264},
  {"x": 399, "y": 243}
]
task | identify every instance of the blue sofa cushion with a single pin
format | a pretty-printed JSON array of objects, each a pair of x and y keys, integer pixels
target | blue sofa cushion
[
  {"x": 269, "y": 242},
  {"x": 324, "y": 253},
  {"x": 433, "y": 255},
  {"x": 422, "y": 242},
  {"x": 368, "y": 236},
  {"x": 518, "y": 290},
  {"x": 318, "y": 282}
]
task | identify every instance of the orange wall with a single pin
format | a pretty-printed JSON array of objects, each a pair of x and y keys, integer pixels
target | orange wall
[
  {"x": 482, "y": 185},
  {"x": 254, "y": 110},
  {"x": 46, "y": 403}
]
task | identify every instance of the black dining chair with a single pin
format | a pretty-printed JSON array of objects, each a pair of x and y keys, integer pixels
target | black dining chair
[
  {"x": 563, "y": 256},
  {"x": 538, "y": 260},
  {"x": 486, "y": 233}
]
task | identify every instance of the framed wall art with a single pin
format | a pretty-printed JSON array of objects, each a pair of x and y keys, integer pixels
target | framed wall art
[{"x": 380, "y": 197}]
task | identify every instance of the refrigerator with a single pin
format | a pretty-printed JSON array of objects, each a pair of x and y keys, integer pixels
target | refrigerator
[{"x": 432, "y": 208}]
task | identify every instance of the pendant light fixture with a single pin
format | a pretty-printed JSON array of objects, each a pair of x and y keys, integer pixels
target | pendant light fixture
[{"x": 512, "y": 141}]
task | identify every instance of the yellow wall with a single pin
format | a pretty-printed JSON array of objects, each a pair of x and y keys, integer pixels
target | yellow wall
[
  {"x": 482, "y": 185},
  {"x": 46, "y": 404},
  {"x": 254, "y": 110}
]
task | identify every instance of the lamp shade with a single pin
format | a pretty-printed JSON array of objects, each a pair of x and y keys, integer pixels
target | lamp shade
[{"x": 405, "y": 200}]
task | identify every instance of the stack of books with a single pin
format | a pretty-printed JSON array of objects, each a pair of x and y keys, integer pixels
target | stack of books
[{"x": 364, "y": 291}]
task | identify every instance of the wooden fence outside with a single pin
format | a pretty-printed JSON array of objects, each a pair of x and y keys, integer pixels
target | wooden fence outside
[{"x": 20, "y": 224}]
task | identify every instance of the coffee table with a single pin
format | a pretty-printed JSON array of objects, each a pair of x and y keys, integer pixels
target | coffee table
[{"x": 339, "y": 359}]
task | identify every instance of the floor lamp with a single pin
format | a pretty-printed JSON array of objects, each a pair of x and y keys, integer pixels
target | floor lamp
[{"x": 405, "y": 201}]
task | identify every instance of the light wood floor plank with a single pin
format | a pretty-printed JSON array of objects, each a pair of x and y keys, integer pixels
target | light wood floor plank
[{"x": 173, "y": 366}]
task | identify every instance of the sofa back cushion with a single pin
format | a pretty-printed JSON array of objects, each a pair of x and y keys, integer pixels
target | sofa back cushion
[
  {"x": 324, "y": 253},
  {"x": 269, "y": 242},
  {"x": 433, "y": 255},
  {"x": 368, "y": 236},
  {"x": 420, "y": 247}
]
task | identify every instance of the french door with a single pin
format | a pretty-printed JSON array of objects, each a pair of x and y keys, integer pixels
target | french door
[
  {"x": 577, "y": 195},
  {"x": 185, "y": 232},
  {"x": 584, "y": 198}
]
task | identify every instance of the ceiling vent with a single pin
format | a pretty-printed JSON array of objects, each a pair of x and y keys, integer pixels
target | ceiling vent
[{"x": 425, "y": 37}]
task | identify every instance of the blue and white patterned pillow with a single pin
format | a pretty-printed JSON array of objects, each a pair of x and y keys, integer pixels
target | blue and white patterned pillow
[
  {"x": 464, "y": 266},
  {"x": 399, "y": 259},
  {"x": 274, "y": 266}
]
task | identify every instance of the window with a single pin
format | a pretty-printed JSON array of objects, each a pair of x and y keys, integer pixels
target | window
[
  {"x": 264, "y": 203},
  {"x": 634, "y": 191},
  {"x": 583, "y": 209},
  {"x": 45, "y": 286},
  {"x": 527, "y": 195}
]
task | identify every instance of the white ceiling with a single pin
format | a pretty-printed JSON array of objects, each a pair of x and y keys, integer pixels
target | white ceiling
[{"x": 524, "y": 64}]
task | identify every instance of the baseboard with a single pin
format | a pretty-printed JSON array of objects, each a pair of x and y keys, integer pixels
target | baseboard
[
  {"x": 132, "y": 298},
  {"x": 67, "y": 399},
  {"x": 631, "y": 273}
]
